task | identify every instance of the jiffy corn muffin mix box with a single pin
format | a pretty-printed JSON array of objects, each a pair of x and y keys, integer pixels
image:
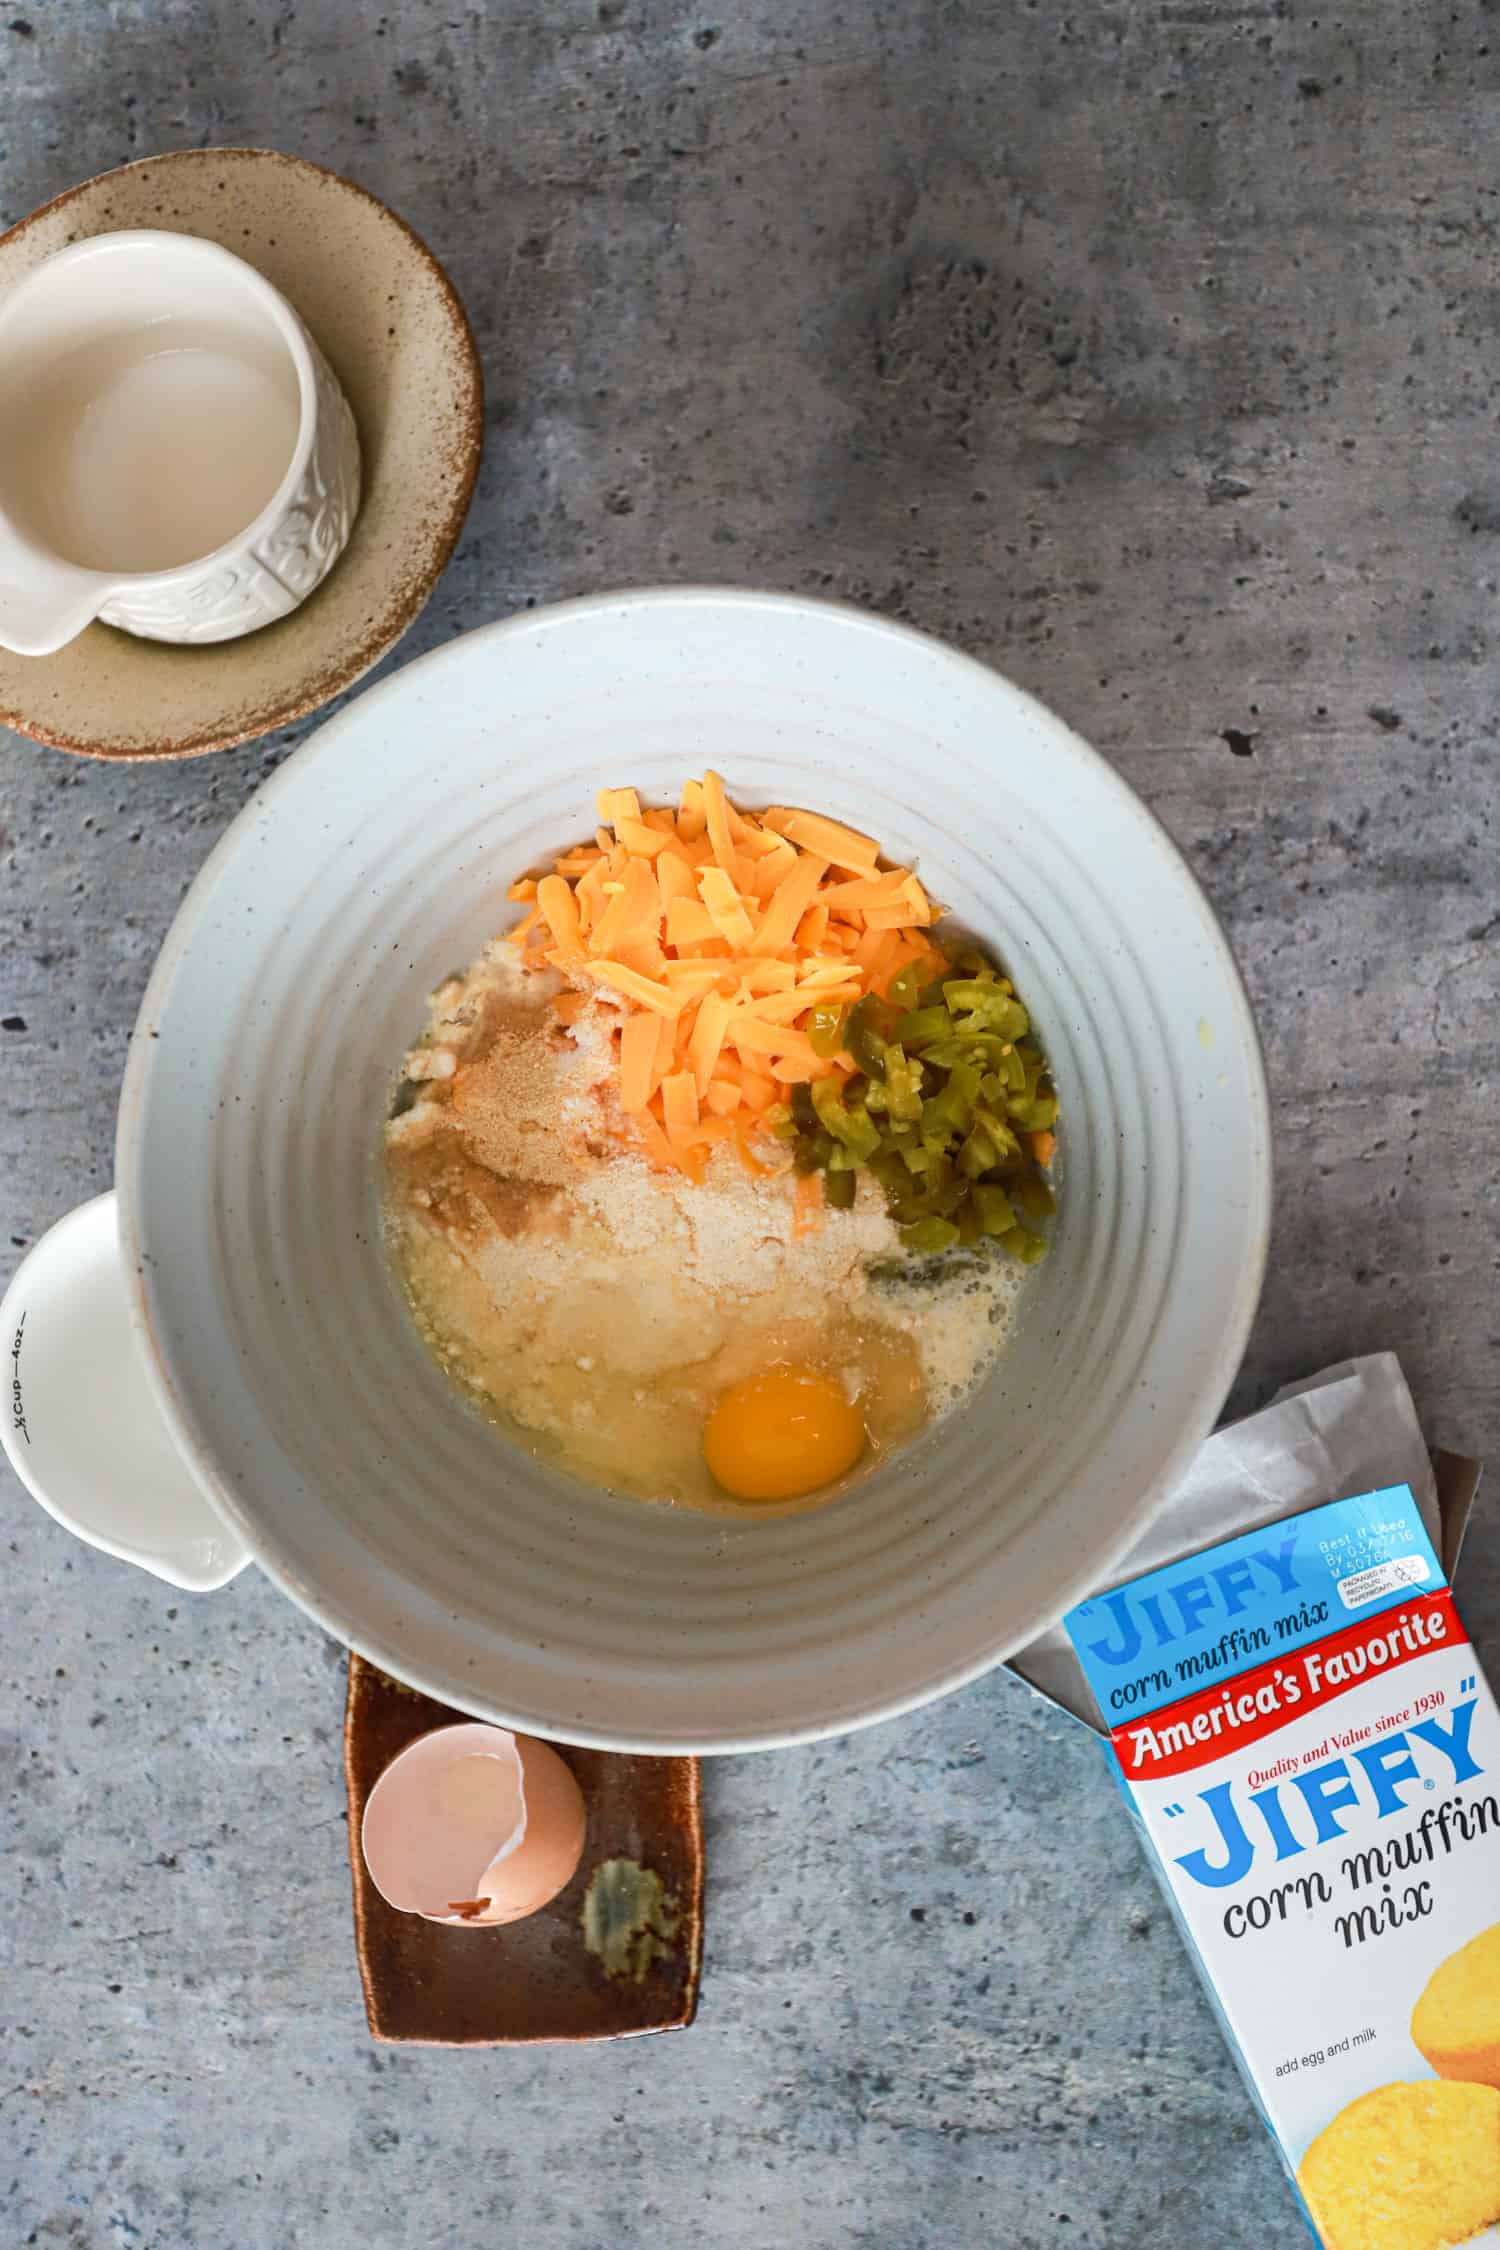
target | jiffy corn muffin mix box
[{"x": 1305, "y": 1737}]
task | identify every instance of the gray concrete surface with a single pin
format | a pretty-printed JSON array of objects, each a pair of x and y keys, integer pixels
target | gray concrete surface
[{"x": 1146, "y": 348}]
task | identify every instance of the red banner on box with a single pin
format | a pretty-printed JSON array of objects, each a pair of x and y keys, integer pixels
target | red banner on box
[{"x": 1205, "y": 1725}]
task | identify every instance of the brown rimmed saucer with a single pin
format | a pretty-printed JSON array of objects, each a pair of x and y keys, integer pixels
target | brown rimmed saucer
[
  {"x": 391, "y": 323},
  {"x": 615, "y": 1953}
]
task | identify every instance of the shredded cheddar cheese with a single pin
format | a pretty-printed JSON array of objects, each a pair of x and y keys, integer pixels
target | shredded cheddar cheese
[{"x": 716, "y": 932}]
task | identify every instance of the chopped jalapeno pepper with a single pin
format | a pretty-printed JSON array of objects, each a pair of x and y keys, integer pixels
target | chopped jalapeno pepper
[
  {"x": 926, "y": 1235},
  {"x": 993, "y": 1207},
  {"x": 813, "y": 1151},
  {"x": 838, "y": 1190},
  {"x": 864, "y": 1035},
  {"x": 921, "y": 1027},
  {"x": 904, "y": 990},
  {"x": 1035, "y": 1197},
  {"x": 825, "y": 1030},
  {"x": 949, "y": 1079},
  {"x": 855, "y": 1128},
  {"x": 903, "y": 1086}
]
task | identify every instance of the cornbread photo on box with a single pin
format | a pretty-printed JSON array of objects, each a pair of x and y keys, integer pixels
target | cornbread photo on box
[
  {"x": 1409, "y": 2167},
  {"x": 1302, "y": 1732},
  {"x": 1456, "y": 2023}
]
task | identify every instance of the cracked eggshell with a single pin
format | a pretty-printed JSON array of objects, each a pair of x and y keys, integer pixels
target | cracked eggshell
[{"x": 470, "y": 1813}]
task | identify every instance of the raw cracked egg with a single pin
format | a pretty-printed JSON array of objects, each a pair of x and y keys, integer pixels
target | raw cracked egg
[
  {"x": 473, "y": 1824},
  {"x": 781, "y": 1434}
]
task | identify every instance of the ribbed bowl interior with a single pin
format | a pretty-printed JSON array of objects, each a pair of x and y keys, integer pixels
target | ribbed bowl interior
[{"x": 376, "y": 861}]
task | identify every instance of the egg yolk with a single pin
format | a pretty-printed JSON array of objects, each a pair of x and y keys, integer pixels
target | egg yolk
[{"x": 780, "y": 1434}]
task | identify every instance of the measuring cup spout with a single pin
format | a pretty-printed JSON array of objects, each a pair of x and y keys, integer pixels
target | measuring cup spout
[
  {"x": 44, "y": 602},
  {"x": 80, "y": 1422}
]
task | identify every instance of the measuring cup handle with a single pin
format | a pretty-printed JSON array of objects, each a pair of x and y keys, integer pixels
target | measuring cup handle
[
  {"x": 44, "y": 603},
  {"x": 81, "y": 1426}
]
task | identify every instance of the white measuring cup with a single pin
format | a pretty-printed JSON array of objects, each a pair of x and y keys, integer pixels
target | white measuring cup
[
  {"x": 176, "y": 456},
  {"x": 80, "y": 1425}
]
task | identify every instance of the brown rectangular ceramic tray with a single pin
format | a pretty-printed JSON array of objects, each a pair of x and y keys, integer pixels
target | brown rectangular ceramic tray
[{"x": 615, "y": 1953}]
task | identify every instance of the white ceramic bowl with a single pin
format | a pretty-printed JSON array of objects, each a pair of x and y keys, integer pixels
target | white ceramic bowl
[{"x": 376, "y": 861}]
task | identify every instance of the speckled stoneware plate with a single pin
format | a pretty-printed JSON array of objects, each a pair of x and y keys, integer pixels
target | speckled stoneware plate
[
  {"x": 614, "y": 1954},
  {"x": 390, "y": 321}
]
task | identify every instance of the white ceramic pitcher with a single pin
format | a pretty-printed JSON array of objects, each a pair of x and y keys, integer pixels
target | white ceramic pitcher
[{"x": 176, "y": 456}]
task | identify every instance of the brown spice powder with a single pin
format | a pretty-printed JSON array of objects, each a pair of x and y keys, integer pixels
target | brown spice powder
[{"x": 506, "y": 1104}]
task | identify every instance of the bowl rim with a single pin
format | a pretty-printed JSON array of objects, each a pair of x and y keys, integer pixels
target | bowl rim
[{"x": 143, "y": 1281}]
